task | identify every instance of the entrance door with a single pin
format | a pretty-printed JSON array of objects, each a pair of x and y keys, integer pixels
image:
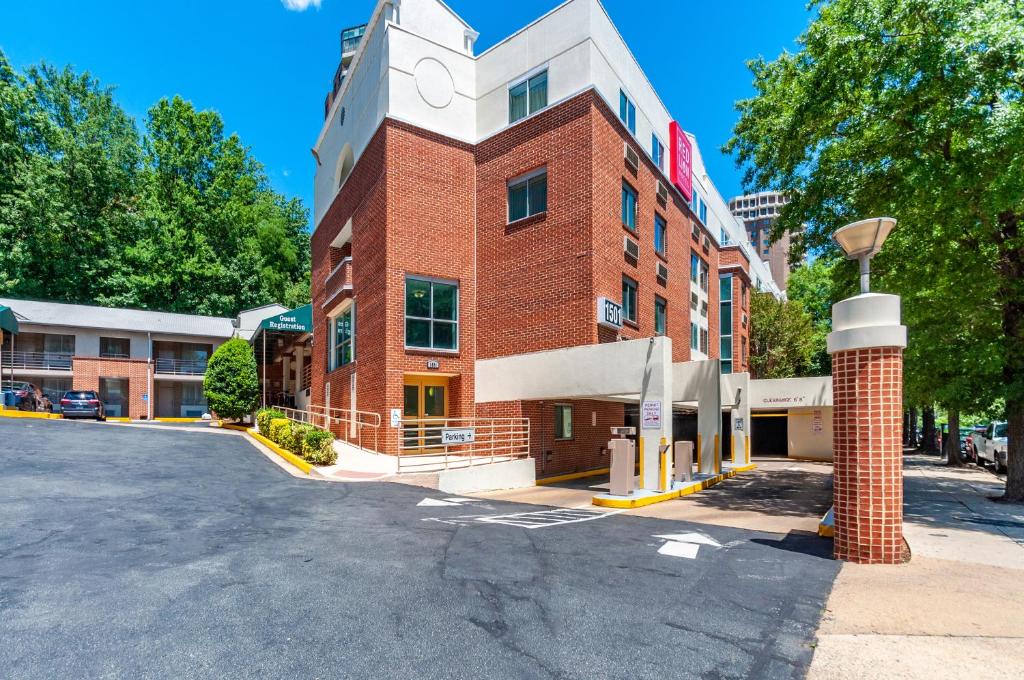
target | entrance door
[{"x": 425, "y": 407}]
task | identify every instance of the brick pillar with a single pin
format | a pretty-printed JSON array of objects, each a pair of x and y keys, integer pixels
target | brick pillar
[{"x": 867, "y": 386}]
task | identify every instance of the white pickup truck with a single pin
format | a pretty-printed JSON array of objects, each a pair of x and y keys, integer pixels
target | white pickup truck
[{"x": 990, "y": 446}]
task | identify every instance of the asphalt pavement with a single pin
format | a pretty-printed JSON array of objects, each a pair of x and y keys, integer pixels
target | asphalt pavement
[{"x": 149, "y": 553}]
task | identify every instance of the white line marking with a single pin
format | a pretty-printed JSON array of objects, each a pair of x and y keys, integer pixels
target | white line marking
[
  {"x": 434, "y": 503},
  {"x": 692, "y": 537},
  {"x": 673, "y": 549}
]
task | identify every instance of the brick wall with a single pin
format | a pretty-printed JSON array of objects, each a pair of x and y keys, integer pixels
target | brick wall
[
  {"x": 867, "y": 422},
  {"x": 87, "y": 371}
]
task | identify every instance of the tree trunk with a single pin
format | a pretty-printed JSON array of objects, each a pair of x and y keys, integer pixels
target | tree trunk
[
  {"x": 912, "y": 443},
  {"x": 1011, "y": 274},
  {"x": 906, "y": 429},
  {"x": 953, "y": 439},
  {"x": 928, "y": 430}
]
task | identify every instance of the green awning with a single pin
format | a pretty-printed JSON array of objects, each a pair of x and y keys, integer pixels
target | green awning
[
  {"x": 9, "y": 322},
  {"x": 299, "y": 320}
]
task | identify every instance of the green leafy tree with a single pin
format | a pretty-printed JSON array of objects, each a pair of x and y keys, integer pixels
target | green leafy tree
[
  {"x": 914, "y": 109},
  {"x": 231, "y": 383},
  {"x": 781, "y": 337},
  {"x": 812, "y": 285}
]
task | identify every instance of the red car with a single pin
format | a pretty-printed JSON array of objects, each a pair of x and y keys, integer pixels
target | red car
[{"x": 26, "y": 395}]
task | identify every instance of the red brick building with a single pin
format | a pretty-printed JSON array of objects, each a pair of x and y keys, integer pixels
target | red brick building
[{"x": 468, "y": 209}]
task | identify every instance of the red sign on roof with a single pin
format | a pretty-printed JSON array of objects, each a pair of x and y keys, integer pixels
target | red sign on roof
[{"x": 681, "y": 168}]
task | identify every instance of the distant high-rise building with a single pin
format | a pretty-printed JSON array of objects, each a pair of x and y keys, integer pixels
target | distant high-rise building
[{"x": 758, "y": 212}]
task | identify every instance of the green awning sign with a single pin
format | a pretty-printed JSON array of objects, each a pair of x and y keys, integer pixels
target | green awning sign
[
  {"x": 299, "y": 320},
  {"x": 8, "y": 321}
]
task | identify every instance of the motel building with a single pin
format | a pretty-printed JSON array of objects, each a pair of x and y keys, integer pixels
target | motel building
[
  {"x": 522, "y": 246},
  {"x": 148, "y": 365}
]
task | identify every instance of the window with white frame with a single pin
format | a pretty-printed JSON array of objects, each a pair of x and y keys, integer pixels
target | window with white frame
[
  {"x": 629, "y": 299},
  {"x": 628, "y": 207},
  {"x": 528, "y": 96},
  {"x": 528, "y": 195},
  {"x": 725, "y": 322},
  {"x": 658, "y": 152},
  {"x": 694, "y": 336},
  {"x": 627, "y": 111},
  {"x": 660, "y": 235},
  {"x": 343, "y": 338},
  {"x": 660, "y": 315},
  {"x": 431, "y": 314}
]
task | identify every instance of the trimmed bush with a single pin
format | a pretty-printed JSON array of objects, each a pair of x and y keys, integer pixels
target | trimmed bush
[
  {"x": 263, "y": 418},
  {"x": 317, "y": 449},
  {"x": 231, "y": 385},
  {"x": 298, "y": 438},
  {"x": 280, "y": 432}
]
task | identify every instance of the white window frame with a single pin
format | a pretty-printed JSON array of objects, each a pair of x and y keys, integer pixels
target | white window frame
[
  {"x": 520, "y": 179},
  {"x": 572, "y": 429},
  {"x": 458, "y": 313},
  {"x": 332, "y": 359},
  {"x": 525, "y": 78}
]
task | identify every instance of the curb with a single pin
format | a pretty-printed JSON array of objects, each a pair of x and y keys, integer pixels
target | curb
[
  {"x": 287, "y": 455},
  {"x": 11, "y": 413},
  {"x": 629, "y": 503},
  {"x": 177, "y": 420}
]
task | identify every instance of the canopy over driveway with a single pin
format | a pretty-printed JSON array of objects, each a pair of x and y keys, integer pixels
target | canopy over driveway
[{"x": 277, "y": 337}]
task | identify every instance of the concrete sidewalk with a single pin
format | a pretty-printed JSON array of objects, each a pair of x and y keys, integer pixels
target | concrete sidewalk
[{"x": 956, "y": 610}]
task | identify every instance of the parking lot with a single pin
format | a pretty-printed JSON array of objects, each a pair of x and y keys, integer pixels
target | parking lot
[{"x": 146, "y": 552}]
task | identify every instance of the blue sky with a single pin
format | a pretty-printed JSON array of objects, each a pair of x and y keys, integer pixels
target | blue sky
[{"x": 266, "y": 68}]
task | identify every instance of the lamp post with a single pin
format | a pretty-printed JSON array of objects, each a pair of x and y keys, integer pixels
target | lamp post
[{"x": 866, "y": 344}]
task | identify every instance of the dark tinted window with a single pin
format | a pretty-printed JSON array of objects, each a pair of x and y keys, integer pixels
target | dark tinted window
[{"x": 80, "y": 395}]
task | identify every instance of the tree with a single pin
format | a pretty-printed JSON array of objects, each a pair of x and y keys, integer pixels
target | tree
[
  {"x": 231, "y": 384},
  {"x": 812, "y": 285},
  {"x": 914, "y": 109},
  {"x": 781, "y": 337}
]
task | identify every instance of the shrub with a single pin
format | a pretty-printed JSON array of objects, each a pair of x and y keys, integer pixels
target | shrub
[
  {"x": 280, "y": 432},
  {"x": 231, "y": 385},
  {"x": 317, "y": 449},
  {"x": 298, "y": 438},
  {"x": 263, "y": 418}
]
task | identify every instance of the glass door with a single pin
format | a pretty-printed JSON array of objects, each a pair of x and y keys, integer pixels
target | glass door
[{"x": 425, "y": 409}]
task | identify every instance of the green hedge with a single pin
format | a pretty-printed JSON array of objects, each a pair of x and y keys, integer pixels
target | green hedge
[
  {"x": 313, "y": 444},
  {"x": 263, "y": 418}
]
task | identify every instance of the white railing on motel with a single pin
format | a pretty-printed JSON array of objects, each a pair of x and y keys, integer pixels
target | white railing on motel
[
  {"x": 356, "y": 427},
  {"x": 49, "y": 361},
  {"x": 432, "y": 443}
]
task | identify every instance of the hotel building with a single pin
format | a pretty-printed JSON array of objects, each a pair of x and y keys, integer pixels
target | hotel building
[{"x": 532, "y": 197}]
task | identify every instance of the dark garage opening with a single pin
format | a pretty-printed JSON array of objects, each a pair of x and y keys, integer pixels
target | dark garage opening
[{"x": 769, "y": 434}]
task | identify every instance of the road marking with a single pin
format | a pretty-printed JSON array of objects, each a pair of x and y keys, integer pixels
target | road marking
[
  {"x": 447, "y": 502},
  {"x": 685, "y": 545},
  {"x": 538, "y": 519}
]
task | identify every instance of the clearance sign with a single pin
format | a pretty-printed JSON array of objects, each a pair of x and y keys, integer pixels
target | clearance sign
[{"x": 681, "y": 169}]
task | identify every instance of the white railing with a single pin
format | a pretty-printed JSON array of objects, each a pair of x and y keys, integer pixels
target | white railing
[
  {"x": 356, "y": 427},
  {"x": 422, "y": 442},
  {"x": 181, "y": 366},
  {"x": 50, "y": 361}
]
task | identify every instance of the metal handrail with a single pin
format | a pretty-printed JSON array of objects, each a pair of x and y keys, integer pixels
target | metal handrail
[
  {"x": 50, "y": 361},
  {"x": 494, "y": 438},
  {"x": 181, "y": 366},
  {"x": 335, "y": 419}
]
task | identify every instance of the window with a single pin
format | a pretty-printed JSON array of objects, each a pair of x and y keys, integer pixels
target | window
[
  {"x": 658, "y": 152},
  {"x": 627, "y": 112},
  {"x": 114, "y": 348},
  {"x": 660, "y": 234},
  {"x": 703, "y": 212},
  {"x": 527, "y": 195},
  {"x": 343, "y": 338},
  {"x": 431, "y": 314},
  {"x": 694, "y": 266},
  {"x": 704, "y": 309},
  {"x": 725, "y": 322},
  {"x": 704, "y": 276},
  {"x": 660, "y": 315},
  {"x": 704, "y": 340},
  {"x": 563, "y": 421},
  {"x": 628, "y": 207},
  {"x": 628, "y": 299},
  {"x": 694, "y": 336},
  {"x": 528, "y": 97}
]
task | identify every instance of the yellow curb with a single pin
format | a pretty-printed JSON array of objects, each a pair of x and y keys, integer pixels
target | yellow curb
[
  {"x": 118, "y": 419},
  {"x": 232, "y": 426},
  {"x": 744, "y": 468},
  {"x": 287, "y": 455},
  {"x": 626, "y": 503},
  {"x": 573, "y": 475},
  {"x": 10, "y": 413},
  {"x": 826, "y": 527},
  {"x": 178, "y": 420}
]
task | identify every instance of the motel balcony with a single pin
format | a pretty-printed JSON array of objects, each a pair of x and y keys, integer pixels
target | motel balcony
[
  {"x": 43, "y": 361},
  {"x": 182, "y": 367},
  {"x": 339, "y": 283}
]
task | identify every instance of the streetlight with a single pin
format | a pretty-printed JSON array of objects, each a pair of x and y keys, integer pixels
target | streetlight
[{"x": 861, "y": 241}]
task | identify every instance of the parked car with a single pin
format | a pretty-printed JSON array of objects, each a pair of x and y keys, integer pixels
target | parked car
[
  {"x": 26, "y": 395},
  {"x": 82, "y": 404},
  {"x": 989, "y": 446},
  {"x": 965, "y": 438}
]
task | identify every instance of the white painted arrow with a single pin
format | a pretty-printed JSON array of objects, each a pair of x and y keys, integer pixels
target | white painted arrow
[
  {"x": 691, "y": 537},
  {"x": 673, "y": 549},
  {"x": 685, "y": 545},
  {"x": 434, "y": 503}
]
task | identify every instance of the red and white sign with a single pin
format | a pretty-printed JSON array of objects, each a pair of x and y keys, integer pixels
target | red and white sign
[{"x": 681, "y": 168}]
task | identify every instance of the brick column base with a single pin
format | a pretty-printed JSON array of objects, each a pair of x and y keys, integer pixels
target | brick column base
[{"x": 867, "y": 386}]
